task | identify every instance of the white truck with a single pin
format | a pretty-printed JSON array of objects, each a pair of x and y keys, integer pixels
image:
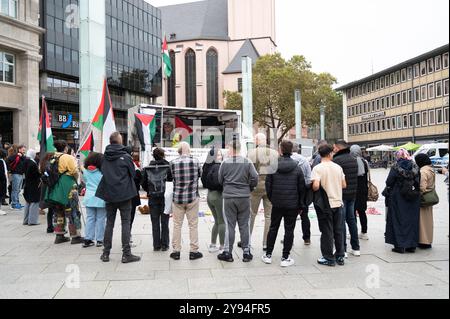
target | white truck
[{"x": 201, "y": 128}]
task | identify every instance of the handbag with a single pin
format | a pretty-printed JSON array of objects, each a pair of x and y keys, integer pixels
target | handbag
[
  {"x": 373, "y": 191},
  {"x": 429, "y": 199}
]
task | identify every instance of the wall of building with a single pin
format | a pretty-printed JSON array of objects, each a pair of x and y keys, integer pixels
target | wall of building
[{"x": 20, "y": 37}]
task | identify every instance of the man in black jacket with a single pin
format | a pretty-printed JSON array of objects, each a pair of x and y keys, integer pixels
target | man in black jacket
[
  {"x": 117, "y": 189},
  {"x": 285, "y": 189},
  {"x": 344, "y": 159}
]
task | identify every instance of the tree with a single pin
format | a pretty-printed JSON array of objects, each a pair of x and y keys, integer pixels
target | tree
[{"x": 274, "y": 83}]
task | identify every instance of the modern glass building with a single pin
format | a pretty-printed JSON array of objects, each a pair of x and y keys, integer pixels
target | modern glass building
[{"x": 133, "y": 60}]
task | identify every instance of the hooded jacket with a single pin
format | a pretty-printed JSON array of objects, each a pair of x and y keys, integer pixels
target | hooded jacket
[
  {"x": 117, "y": 184},
  {"x": 286, "y": 188},
  {"x": 350, "y": 167}
]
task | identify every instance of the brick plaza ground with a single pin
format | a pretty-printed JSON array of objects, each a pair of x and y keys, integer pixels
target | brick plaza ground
[{"x": 32, "y": 267}]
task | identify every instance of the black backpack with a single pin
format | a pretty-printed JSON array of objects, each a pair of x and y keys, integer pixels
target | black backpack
[
  {"x": 156, "y": 179},
  {"x": 409, "y": 183},
  {"x": 51, "y": 175}
]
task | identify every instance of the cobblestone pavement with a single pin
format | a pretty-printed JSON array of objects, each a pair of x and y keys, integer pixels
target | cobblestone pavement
[{"x": 32, "y": 267}]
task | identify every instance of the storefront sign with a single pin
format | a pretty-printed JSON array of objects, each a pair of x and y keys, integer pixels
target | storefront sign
[
  {"x": 64, "y": 120},
  {"x": 373, "y": 116}
]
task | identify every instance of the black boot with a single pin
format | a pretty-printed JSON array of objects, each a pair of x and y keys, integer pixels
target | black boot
[
  {"x": 398, "y": 250},
  {"x": 105, "y": 257},
  {"x": 129, "y": 258},
  {"x": 60, "y": 239},
  {"x": 77, "y": 240}
]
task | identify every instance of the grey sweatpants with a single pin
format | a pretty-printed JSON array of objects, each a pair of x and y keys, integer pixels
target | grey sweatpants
[{"x": 237, "y": 211}]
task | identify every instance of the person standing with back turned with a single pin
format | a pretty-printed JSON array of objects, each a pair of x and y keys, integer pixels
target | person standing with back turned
[{"x": 117, "y": 188}]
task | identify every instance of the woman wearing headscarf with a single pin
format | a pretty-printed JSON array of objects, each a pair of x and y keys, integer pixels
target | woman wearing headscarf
[
  {"x": 210, "y": 180},
  {"x": 402, "y": 226},
  {"x": 32, "y": 190},
  {"x": 363, "y": 190},
  {"x": 427, "y": 184}
]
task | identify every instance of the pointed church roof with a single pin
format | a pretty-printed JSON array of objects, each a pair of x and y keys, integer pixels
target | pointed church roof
[
  {"x": 247, "y": 49},
  {"x": 206, "y": 20}
]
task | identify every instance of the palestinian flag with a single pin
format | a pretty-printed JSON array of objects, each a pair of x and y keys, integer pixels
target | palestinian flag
[
  {"x": 88, "y": 146},
  {"x": 104, "y": 118},
  {"x": 146, "y": 127},
  {"x": 184, "y": 128},
  {"x": 45, "y": 135},
  {"x": 166, "y": 59}
]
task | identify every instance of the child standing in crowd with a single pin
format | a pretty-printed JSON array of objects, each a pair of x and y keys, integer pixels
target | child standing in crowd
[
  {"x": 95, "y": 207},
  {"x": 32, "y": 190}
]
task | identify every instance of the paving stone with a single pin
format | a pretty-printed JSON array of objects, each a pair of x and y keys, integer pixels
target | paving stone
[{"x": 339, "y": 293}]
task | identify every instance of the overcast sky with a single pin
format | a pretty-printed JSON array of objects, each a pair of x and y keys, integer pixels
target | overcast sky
[{"x": 350, "y": 38}]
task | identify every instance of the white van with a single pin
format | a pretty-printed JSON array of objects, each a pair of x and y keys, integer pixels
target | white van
[{"x": 436, "y": 152}]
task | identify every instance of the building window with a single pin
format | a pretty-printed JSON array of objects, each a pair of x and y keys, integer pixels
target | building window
[
  {"x": 212, "y": 78},
  {"x": 378, "y": 126},
  {"x": 171, "y": 85},
  {"x": 416, "y": 94},
  {"x": 383, "y": 125},
  {"x": 416, "y": 70},
  {"x": 445, "y": 60},
  {"x": 423, "y": 68},
  {"x": 439, "y": 89},
  {"x": 7, "y": 67},
  {"x": 377, "y": 84},
  {"x": 404, "y": 98},
  {"x": 397, "y": 77},
  {"x": 425, "y": 118},
  {"x": 410, "y": 96},
  {"x": 438, "y": 63},
  {"x": 431, "y": 91},
  {"x": 410, "y": 72},
  {"x": 404, "y": 75},
  {"x": 191, "y": 79},
  {"x": 383, "y": 106},
  {"x": 381, "y": 83},
  {"x": 399, "y": 122},
  {"x": 386, "y": 81},
  {"x": 430, "y": 64},
  {"x": 439, "y": 116},
  {"x": 432, "y": 117},
  {"x": 399, "y": 99},
  {"x": 405, "y": 121},
  {"x": 446, "y": 119},
  {"x": 393, "y": 123},
  {"x": 9, "y": 8},
  {"x": 387, "y": 102},
  {"x": 423, "y": 93},
  {"x": 417, "y": 115},
  {"x": 446, "y": 88},
  {"x": 392, "y": 100},
  {"x": 392, "y": 79},
  {"x": 378, "y": 104},
  {"x": 410, "y": 119}
]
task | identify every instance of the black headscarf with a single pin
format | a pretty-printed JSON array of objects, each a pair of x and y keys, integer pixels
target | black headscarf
[{"x": 423, "y": 160}]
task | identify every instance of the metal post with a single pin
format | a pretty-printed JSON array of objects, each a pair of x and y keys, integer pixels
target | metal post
[
  {"x": 298, "y": 115},
  {"x": 322, "y": 122},
  {"x": 247, "y": 95},
  {"x": 92, "y": 61}
]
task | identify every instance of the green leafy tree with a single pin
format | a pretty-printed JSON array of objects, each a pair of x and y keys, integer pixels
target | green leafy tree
[{"x": 274, "y": 83}]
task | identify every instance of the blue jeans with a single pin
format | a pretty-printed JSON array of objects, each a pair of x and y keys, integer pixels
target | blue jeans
[
  {"x": 95, "y": 224},
  {"x": 16, "y": 182},
  {"x": 350, "y": 218}
]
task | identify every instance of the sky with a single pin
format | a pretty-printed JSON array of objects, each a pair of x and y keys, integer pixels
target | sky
[{"x": 352, "y": 39}]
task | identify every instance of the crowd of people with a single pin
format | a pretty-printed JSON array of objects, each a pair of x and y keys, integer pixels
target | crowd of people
[{"x": 336, "y": 182}]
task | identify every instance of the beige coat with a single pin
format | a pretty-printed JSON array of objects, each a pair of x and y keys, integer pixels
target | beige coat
[{"x": 427, "y": 184}]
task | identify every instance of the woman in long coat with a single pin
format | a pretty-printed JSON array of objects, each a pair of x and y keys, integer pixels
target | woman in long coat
[
  {"x": 32, "y": 190},
  {"x": 363, "y": 190},
  {"x": 402, "y": 227},
  {"x": 427, "y": 184}
]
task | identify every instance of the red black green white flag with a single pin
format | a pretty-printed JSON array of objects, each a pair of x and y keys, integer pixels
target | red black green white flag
[
  {"x": 45, "y": 135},
  {"x": 146, "y": 127},
  {"x": 104, "y": 118},
  {"x": 166, "y": 59},
  {"x": 88, "y": 145},
  {"x": 184, "y": 128}
]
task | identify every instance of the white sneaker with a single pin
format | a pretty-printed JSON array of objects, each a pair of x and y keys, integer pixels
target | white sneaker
[
  {"x": 2, "y": 213},
  {"x": 356, "y": 253},
  {"x": 363, "y": 236},
  {"x": 267, "y": 260},
  {"x": 213, "y": 249},
  {"x": 287, "y": 262},
  {"x": 346, "y": 256}
]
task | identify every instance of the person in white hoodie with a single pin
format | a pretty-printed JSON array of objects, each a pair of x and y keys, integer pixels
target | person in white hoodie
[{"x": 3, "y": 179}]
